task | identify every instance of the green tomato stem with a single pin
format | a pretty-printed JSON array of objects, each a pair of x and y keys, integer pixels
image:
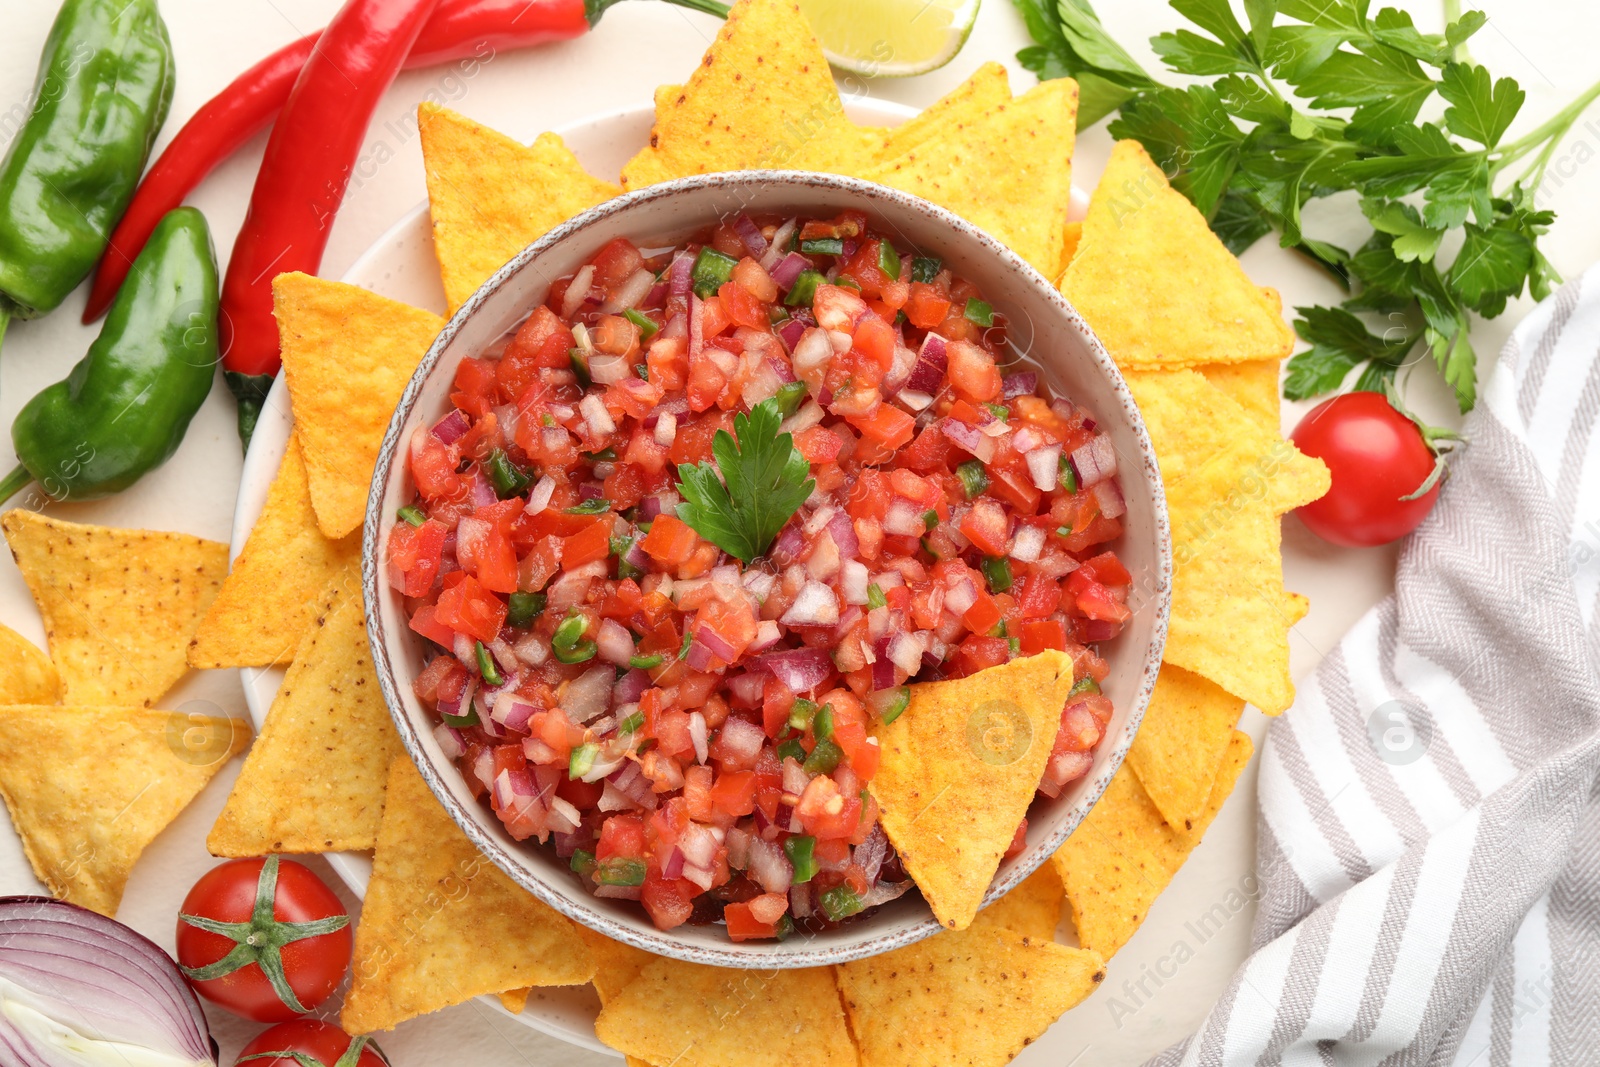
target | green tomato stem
[{"x": 18, "y": 480}]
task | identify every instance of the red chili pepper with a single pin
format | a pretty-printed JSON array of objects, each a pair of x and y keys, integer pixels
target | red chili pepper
[
  {"x": 303, "y": 177},
  {"x": 458, "y": 29}
]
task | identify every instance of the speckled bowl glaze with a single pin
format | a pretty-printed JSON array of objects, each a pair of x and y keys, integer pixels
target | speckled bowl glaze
[{"x": 1044, "y": 329}]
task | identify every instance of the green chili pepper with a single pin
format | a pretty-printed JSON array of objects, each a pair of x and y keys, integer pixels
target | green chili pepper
[
  {"x": 1085, "y": 684},
  {"x": 930, "y": 519},
  {"x": 125, "y": 407},
  {"x": 1069, "y": 474},
  {"x": 997, "y": 570},
  {"x": 791, "y": 749},
  {"x": 902, "y": 700},
  {"x": 710, "y": 272},
  {"x": 999, "y": 411},
  {"x": 823, "y": 246},
  {"x": 523, "y": 608},
  {"x": 979, "y": 312},
  {"x": 619, "y": 871},
  {"x": 801, "y": 850},
  {"x": 487, "y": 668},
  {"x": 789, "y": 396},
  {"x": 822, "y": 725},
  {"x": 645, "y": 663},
  {"x": 647, "y": 325},
  {"x": 875, "y": 597},
  {"x": 974, "y": 479},
  {"x": 804, "y": 290},
  {"x": 582, "y": 760},
  {"x": 839, "y": 902},
  {"x": 566, "y": 643},
  {"x": 102, "y": 93},
  {"x": 412, "y": 515},
  {"x": 801, "y": 712},
  {"x": 844, "y": 281},
  {"x": 889, "y": 260},
  {"x": 824, "y": 758},
  {"x": 632, "y": 724},
  {"x": 598, "y": 505},
  {"x": 461, "y": 722},
  {"x": 508, "y": 478},
  {"x": 925, "y": 268},
  {"x": 582, "y": 861}
]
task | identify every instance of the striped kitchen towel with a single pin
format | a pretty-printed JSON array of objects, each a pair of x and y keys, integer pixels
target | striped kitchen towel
[{"x": 1429, "y": 825}]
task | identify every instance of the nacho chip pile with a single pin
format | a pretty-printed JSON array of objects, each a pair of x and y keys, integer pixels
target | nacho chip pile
[
  {"x": 89, "y": 770},
  {"x": 1201, "y": 346}
]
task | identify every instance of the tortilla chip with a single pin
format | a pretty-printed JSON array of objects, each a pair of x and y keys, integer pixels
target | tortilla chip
[
  {"x": 490, "y": 196},
  {"x": 975, "y": 997},
  {"x": 1071, "y": 234},
  {"x": 986, "y": 88},
  {"x": 762, "y": 97},
  {"x": 1124, "y": 854},
  {"x": 960, "y": 767},
  {"x": 514, "y": 1000},
  {"x": 1008, "y": 171},
  {"x": 1226, "y": 482},
  {"x": 272, "y": 593},
  {"x": 1253, "y": 385},
  {"x": 329, "y": 706},
  {"x": 1295, "y": 607},
  {"x": 689, "y": 1013},
  {"x": 1181, "y": 742},
  {"x": 615, "y": 965},
  {"x": 441, "y": 924},
  {"x": 1157, "y": 285},
  {"x": 1032, "y": 909},
  {"x": 347, "y": 356},
  {"x": 26, "y": 674},
  {"x": 89, "y": 787},
  {"x": 119, "y": 606}
]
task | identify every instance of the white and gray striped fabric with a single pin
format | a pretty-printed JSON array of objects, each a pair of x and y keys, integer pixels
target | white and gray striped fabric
[{"x": 1429, "y": 824}]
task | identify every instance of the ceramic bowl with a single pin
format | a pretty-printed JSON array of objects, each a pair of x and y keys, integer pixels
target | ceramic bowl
[{"x": 1044, "y": 329}]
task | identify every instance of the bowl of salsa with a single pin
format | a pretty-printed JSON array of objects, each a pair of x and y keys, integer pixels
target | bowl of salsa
[{"x": 683, "y": 502}]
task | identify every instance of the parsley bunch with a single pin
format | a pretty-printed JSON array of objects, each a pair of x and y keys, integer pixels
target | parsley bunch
[{"x": 1317, "y": 97}]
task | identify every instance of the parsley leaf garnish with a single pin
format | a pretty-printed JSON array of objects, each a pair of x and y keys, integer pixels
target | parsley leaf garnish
[
  {"x": 764, "y": 479},
  {"x": 1307, "y": 99}
]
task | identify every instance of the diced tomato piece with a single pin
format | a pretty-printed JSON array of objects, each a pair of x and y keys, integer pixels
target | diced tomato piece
[
  {"x": 1107, "y": 569},
  {"x": 887, "y": 425},
  {"x": 734, "y": 793},
  {"x": 1019, "y": 841},
  {"x": 978, "y": 652},
  {"x": 668, "y": 362},
  {"x": 931, "y": 451},
  {"x": 1041, "y": 634},
  {"x": 983, "y": 616},
  {"x": 614, "y": 335},
  {"x": 693, "y": 441},
  {"x": 925, "y": 306},
  {"x": 621, "y": 837},
  {"x": 743, "y": 926},
  {"x": 468, "y": 608},
  {"x": 497, "y": 562},
  {"x": 818, "y": 444},
  {"x": 424, "y": 623},
  {"x": 1094, "y": 600},
  {"x": 972, "y": 371},
  {"x": 669, "y": 902},
  {"x": 617, "y": 261},
  {"x": 433, "y": 467},
  {"x": 1040, "y": 596},
  {"x": 874, "y": 339},
  {"x": 670, "y": 541},
  {"x": 742, "y": 307},
  {"x": 589, "y": 544},
  {"x": 713, "y": 318},
  {"x": 751, "y": 276},
  {"x": 987, "y": 526},
  {"x": 672, "y": 733},
  {"x": 1014, "y": 486},
  {"x": 624, "y": 486}
]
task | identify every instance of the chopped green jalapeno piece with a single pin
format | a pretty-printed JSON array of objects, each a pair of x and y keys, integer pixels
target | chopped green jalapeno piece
[
  {"x": 801, "y": 713},
  {"x": 523, "y": 608},
  {"x": 925, "y": 268},
  {"x": 620, "y": 871},
  {"x": 840, "y": 902},
  {"x": 688, "y": 639},
  {"x": 801, "y": 850},
  {"x": 999, "y": 411},
  {"x": 930, "y": 519},
  {"x": 875, "y": 597},
  {"x": 999, "y": 629},
  {"x": 997, "y": 571},
  {"x": 411, "y": 514},
  {"x": 822, "y": 725},
  {"x": 823, "y": 246},
  {"x": 974, "y": 479},
  {"x": 1015, "y": 644},
  {"x": 607, "y": 454},
  {"x": 487, "y": 668},
  {"x": 785, "y": 927},
  {"x": 508, "y": 478},
  {"x": 647, "y": 328},
  {"x": 902, "y": 700},
  {"x": 645, "y": 663},
  {"x": 582, "y": 862},
  {"x": 461, "y": 722},
  {"x": 1063, "y": 531},
  {"x": 978, "y": 311},
  {"x": 595, "y": 506},
  {"x": 642, "y": 370},
  {"x": 824, "y": 758},
  {"x": 1069, "y": 476},
  {"x": 579, "y": 359},
  {"x": 711, "y": 271},
  {"x": 582, "y": 760},
  {"x": 1085, "y": 684},
  {"x": 791, "y": 749},
  {"x": 847, "y": 282},
  {"x": 804, "y": 290},
  {"x": 632, "y": 724},
  {"x": 789, "y": 397},
  {"x": 567, "y": 643},
  {"x": 889, "y": 260}
]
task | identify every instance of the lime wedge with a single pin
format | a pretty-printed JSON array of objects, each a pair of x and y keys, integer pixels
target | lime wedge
[{"x": 891, "y": 38}]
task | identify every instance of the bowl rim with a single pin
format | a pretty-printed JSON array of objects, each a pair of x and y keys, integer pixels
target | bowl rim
[{"x": 734, "y": 954}]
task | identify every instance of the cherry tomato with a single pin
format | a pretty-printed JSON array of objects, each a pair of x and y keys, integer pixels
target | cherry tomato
[
  {"x": 1377, "y": 455},
  {"x": 321, "y": 1042},
  {"x": 265, "y": 939}
]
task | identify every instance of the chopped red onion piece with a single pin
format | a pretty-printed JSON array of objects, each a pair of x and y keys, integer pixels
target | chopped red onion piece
[
  {"x": 1027, "y": 545},
  {"x": 679, "y": 275},
  {"x": 1095, "y": 461},
  {"x": 787, "y": 269},
  {"x": 788, "y": 545},
  {"x": 450, "y": 741},
  {"x": 614, "y": 642},
  {"x": 780, "y": 241},
  {"x": 853, "y": 582},
  {"x": 928, "y": 373},
  {"x": 639, "y": 283},
  {"x": 905, "y": 651},
  {"x": 1108, "y": 495},
  {"x": 608, "y": 369},
  {"x": 1023, "y": 384},
  {"x": 814, "y": 605},
  {"x": 768, "y": 865},
  {"x": 768, "y": 633},
  {"x": 450, "y": 428},
  {"x": 750, "y": 236},
  {"x": 883, "y": 674},
  {"x": 577, "y": 291},
  {"x": 596, "y": 415},
  {"x": 697, "y": 735},
  {"x": 1044, "y": 466},
  {"x": 790, "y": 332},
  {"x": 801, "y": 669},
  {"x": 539, "y": 495},
  {"x": 904, "y": 518},
  {"x": 589, "y": 695}
]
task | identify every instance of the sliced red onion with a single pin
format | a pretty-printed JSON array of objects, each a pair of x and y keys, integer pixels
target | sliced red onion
[
  {"x": 1026, "y": 546},
  {"x": 1095, "y": 461},
  {"x": 589, "y": 695},
  {"x": 961, "y": 595},
  {"x": 1024, "y": 384},
  {"x": 928, "y": 374},
  {"x": 679, "y": 275},
  {"x": 513, "y": 713},
  {"x": 656, "y": 295},
  {"x": 1026, "y": 439},
  {"x": 905, "y": 651},
  {"x": 780, "y": 241},
  {"x": 883, "y": 674},
  {"x": 968, "y": 438},
  {"x": 747, "y": 687},
  {"x": 904, "y": 518},
  {"x": 718, "y": 645},
  {"x": 608, "y": 369},
  {"x": 532, "y": 650},
  {"x": 787, "y": 269},
  {"x": 870, "y": 854},
  {"x": 795, "y": 778},
  {"x": 697, "y": 735},
  {"x": 1044, "y": 467},
  {"x": 450, "y": 741},
  {"x": 800, "y": 900},
  {"x": 813, "y": 352},
  {"x": 802, "y": 669},
  {"x": 750, "y": 236},
  {"x": 768, "y": 865},
  {"x": 677, "y": 328},
  {"x": 853, "y": 582},
  {"x": 698, "y": 657},
  {"x": 673, "y": 866},
  {"x": 481, "y": 493},
  {"x": 788, "y": 545},
  {"x": 843, "y": 532},
  {"x": 884, "y": 892},
  {"x": 696, "y": 329},
  {"x": 450, "y": 428},
  {"x": 81, "y": 988},
  {"x": 791, "y": 332},
  {"x": 539, "y": 495},
  {"x": 596, "y": 415},
  {"x": 1108, "y": 495},
  {"x": 614, "y": 642},
  {"x": 636, "y": 557},
  {"x": 808, "y": 416},
  {"x": 740, "y": 740},
  {"x": 814, "y": 605},
  {"x": 638, "y": 285},
  {"x": 631, "y": 686},
  {"x": 577, "y": 291},
  {"x": 914, "y": 400},
  {"x": 768, "y": 633},
  {"x": 591, "y": 491}
]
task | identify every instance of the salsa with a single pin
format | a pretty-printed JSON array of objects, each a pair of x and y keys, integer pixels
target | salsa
[{"x": 681, "y": 701}]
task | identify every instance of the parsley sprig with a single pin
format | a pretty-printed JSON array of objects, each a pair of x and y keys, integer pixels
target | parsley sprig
[
  {"x": 1309, "y": 98},
  {"x": 764, "y": 479}
]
